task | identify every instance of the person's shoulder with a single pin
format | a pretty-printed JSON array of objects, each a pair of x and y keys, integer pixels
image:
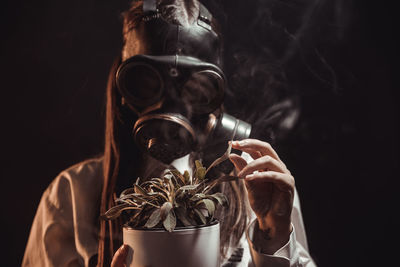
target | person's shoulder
[
  {"x": 90, "y": 168},
  {"x": 84, "y": 179},
  {"x": 86, "y": 174}
]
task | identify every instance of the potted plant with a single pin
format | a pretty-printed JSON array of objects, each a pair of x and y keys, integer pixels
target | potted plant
[{"x": 171, "y": 218}]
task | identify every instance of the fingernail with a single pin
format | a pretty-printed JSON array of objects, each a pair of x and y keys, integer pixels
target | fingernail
[
  {"x": 242, "y": 142},
  {"x": 249, "y": 176}
]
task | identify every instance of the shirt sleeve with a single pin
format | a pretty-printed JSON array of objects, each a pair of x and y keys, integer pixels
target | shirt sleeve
[
  {"x": 51, "y": 239},
  {"x": 64, "y": 231},
  {"x": 293, "y": 254}
]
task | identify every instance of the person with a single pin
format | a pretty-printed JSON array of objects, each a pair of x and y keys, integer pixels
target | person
[{"x": 163, "y": 93}]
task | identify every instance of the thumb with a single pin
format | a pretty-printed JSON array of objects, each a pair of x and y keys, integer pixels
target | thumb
[{"x": 119, "y": 257}]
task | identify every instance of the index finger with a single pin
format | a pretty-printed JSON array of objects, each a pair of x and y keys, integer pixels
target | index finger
[{"x": 254, "y": 145}]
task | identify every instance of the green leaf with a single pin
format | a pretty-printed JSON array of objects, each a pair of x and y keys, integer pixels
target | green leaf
[
  {"x": 200, "y": 173},
  {"x": 186, "y": 176},
  {"x": 142, "y": 216},
  {"x": 200, "y": 216},
  {"x": 182, "y": 191},
  {"x": 165, "y": 209},
  {"x": 208, "y": 204},
  {"x": 170, "y": 221},
  {"x": 188, "y": 187},
  {"x": 198, "y": 164},
  {"x": 220, "y": 198},
  {"x": 154, "y": 219},
  {"x": 182, "y": 215},
  {"x": 197, "y": 197}
]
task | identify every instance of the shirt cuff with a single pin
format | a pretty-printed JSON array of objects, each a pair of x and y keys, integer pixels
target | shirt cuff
[{"x": 285, "y": 256}]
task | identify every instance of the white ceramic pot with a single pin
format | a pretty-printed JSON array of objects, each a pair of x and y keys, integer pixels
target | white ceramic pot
[{"x": 185, "y": 247}]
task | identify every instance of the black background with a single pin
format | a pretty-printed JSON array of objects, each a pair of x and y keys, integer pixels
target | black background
[{"x": 343, "y": 153}]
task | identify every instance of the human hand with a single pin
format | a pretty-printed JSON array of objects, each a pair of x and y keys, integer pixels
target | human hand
[
  {"x": 270, "y": 189},
  {"x": 119, "y": 257}
]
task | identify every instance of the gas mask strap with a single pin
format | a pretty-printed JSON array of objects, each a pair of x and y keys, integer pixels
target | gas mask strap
[
  {"x": 235, "y": 129},
  {"x": 205, "y": 18},
  {"x": 149, "y": 6},
  {"x": 204, "y": 14}
]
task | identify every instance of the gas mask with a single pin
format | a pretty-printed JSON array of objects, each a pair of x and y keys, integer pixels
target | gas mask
[{"x": 176, "y": 90}]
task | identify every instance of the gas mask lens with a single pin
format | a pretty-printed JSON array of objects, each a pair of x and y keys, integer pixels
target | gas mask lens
[
  {"x": 203, "y": 91},
  {"x": 144, "y": 80},
  {"x": 140, "y": 83}
]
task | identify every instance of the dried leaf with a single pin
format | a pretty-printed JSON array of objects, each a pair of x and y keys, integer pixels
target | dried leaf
[
  {"x": 170, "y": 221},
  {"x": 221, "y": 159},
  {"x": 128, "y": 201},
  {"x": 160, "y": 194},
  {"x": 127, "y": 191},
  {"x": 161, "y": 189},
  {"x": 115, "y": 211},
  {"x": 171, "y": 189},
  {"x": 142, "y": 200},
  {"x": 154, "y": 219},
  {"x": 139, "y": 189},
  {"x": 178, "y": 176},
  {"x": 172, "y": 197},
  {"x": 168, "y": 175},
  {"x": 150, "y": 182},
  {"x": 165, "y": 209},
  {"x": 135, "y": 196},
  {"x": 159, "y": 181}
]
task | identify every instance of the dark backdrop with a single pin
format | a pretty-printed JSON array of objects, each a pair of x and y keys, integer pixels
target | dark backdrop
[{"x": 343, "y": 152}]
